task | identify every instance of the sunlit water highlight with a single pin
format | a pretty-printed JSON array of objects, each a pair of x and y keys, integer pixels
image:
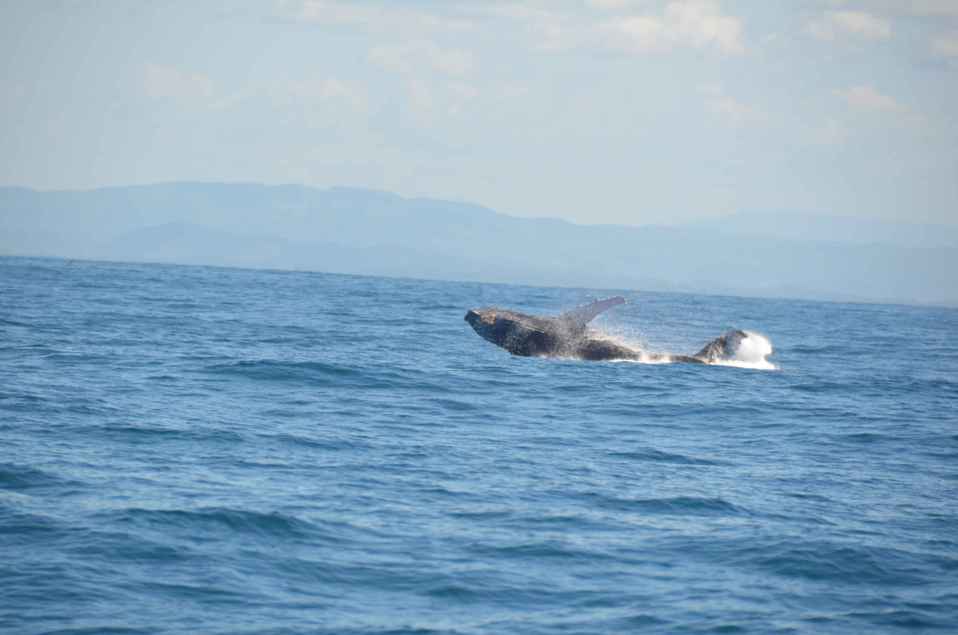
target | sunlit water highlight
[{"x": 190, "y": 449}]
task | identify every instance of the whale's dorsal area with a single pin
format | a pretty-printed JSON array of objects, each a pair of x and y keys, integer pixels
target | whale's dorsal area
[
  {"x": 566, "y": 335},
  {"x": 723, "y": 347},
  {"x": 584, "y": 314}
]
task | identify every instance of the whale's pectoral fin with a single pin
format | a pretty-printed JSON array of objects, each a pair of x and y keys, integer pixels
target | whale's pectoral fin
[{"x": 585, "y": 314}]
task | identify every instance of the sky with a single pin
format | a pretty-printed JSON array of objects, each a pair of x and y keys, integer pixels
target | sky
[{"x": 596, "y": 111}]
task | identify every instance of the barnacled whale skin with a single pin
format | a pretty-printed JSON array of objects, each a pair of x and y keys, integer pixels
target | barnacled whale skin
[{"x": 567, "y": 335}]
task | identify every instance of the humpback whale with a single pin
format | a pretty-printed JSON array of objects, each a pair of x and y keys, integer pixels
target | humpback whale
[{"x": 568, "y": 335}]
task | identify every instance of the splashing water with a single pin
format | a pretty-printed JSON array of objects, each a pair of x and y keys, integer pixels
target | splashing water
[{"x": 752, "y": 352}]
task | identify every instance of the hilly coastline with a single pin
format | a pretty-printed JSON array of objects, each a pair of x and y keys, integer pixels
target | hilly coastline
[{"x": 348, "y": 230}]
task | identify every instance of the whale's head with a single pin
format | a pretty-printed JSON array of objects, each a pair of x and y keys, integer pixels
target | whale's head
[
  {"x": 484, "y": 322},
  {"x": 518, "y": 333}
]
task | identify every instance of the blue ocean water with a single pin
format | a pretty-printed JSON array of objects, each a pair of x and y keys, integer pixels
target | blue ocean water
[{"x": 203, "y": 450}]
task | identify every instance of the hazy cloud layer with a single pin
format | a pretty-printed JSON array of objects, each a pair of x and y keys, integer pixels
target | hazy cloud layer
[{"x": 627, "y": 111}]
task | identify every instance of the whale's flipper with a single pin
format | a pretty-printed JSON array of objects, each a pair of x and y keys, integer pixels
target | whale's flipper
[{"x": 585, "y": 314}]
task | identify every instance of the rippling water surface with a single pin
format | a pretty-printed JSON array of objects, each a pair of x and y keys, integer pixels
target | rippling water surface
[{"x": 191, "y": 449}]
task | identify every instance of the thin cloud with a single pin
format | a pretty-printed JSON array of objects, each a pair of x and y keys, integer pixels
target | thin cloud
[
  {"x": 831, "y": 132},
  {"x": 865, "y": 97},
  {"x": 548, "y": 26},
  {"x": 411, "y": 57},
  {"x": 608, "y": 4},
  {"x": 381, "y": 16},
  {"x": 729, "y": 108},
  {"x": 168, "y": 82},
  {"x": 836, "y": 24},
  {"x": 946, "y": 44},
  {"x": 690, "y": 23},
  {"x": 921, "y": 8},
  {"x": 325, "y": 12},
  {"x": 934, "y": 7},
  {"x": 434, "y": 76},
  {"x": 328, "y": 89}
]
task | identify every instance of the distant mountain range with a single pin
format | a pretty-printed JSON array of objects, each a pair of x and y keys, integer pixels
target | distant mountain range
[{"x": 369, "y": 232}]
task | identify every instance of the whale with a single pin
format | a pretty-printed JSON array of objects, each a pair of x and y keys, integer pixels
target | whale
[{"x": 568, "y": 335}]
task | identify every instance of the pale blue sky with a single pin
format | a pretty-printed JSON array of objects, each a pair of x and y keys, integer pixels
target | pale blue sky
[{"x": 599, "y": 111}]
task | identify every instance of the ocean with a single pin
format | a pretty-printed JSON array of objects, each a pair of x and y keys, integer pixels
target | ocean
[{"x": 205, "y": 450}]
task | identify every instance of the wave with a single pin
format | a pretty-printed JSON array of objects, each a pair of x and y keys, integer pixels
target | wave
[
  {"x": 284, "y": 371},
  {"x": 135, "y": 432},
  {"x": 670, "y": 506},
  {"x": 273, "y": 525},
  {"x": 845, "y": 563},
  {"x": 313, "y": 373},
  {"x": 832, "y": 561},
  {"x": 226, "y": 523},
  {"x": 317, "y": 373},
  {"x": 19, "y": 477},
  {"x": 657, "y": 456}
]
